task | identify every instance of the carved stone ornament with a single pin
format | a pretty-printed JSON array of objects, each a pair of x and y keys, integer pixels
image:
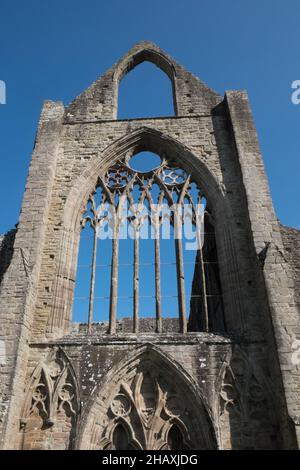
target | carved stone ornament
[{"x": 52, "y": 388}]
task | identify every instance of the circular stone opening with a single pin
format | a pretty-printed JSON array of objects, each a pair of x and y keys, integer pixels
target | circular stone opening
[{"x": 144, "y": 162}]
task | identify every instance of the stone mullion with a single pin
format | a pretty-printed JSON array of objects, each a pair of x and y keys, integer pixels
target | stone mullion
[
  {"x": 92, "y": 284},
  {"x": 115, "y": 253},
  {"x": 203, "y": 278},
  {"x": 157, "y": 265},
  {"x": 114, "y": 279},
  {"x": 136, "y": 282},
  {"x": 180, "y": 275},
  {"x": 178, "y": 221},
  {"x": 157, "y": 281}
]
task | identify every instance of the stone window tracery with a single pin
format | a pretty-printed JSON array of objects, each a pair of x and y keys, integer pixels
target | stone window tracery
[{"x": 162, "y": 202}]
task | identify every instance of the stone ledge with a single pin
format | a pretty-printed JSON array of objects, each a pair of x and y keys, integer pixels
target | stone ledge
[{"x": 142, "y": 338}]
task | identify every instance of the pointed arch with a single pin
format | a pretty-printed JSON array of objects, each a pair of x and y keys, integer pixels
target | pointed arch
[
  {"x": 153, "y": 56},
  {"x": 136, "y": 141},
  {"x": 133, "y": 444},
  {"x": 181, "y": 432},
  {"x": 149, "y": 54},
  {"x": 176, "y": 399},
  {"x": 245, "y": 396},
  {"x": 191, "y": 95},
  {"x": 52, "y": 398},
  {"x": 238, "y": 358},
  {"x": 142, "y": 139}
]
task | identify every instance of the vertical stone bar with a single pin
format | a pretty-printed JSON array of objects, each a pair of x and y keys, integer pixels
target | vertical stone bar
[
  {"x": 157, "y": 282},
  {"x": 200, "y": 241},
  {"x": 92, "y": 286},
  {"x": 204, "y": 291},
  {"x": 180, "y": 275},
  {"x": 114, "y": 282},
  {"x": 136, "y": 261}
]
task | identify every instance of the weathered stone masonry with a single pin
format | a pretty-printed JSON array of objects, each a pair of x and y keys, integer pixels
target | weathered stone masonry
[{"x": 64, "y": 388}]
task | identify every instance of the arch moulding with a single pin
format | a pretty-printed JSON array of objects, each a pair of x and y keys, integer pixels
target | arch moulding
[{"x": 98, "y": 421}]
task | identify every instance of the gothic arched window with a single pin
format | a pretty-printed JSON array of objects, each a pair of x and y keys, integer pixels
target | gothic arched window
[{"x": 152, "y": 255}]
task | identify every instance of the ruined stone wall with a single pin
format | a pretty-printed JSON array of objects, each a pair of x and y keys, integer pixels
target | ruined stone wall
[
  {"x": 291, "y": 243},
  {"x": 230, "y": 376},
  {"x": 6, "y": 251},
  {"x": 56, "y": 379},
  {"x": 82, "y": 149}
]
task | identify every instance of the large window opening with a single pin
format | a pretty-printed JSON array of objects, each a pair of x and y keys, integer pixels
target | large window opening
[
  {"x": 145, "y": 91},
  {"x": 148, "y": 256}
]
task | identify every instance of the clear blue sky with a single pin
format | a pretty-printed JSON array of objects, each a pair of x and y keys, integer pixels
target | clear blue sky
[{"x": 55, "y": 49}]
